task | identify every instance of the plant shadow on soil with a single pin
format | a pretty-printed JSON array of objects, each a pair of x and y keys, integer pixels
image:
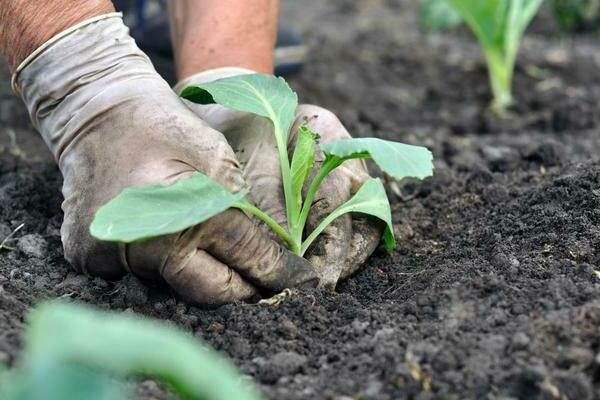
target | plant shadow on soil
[{"x": 494, "y": 290}]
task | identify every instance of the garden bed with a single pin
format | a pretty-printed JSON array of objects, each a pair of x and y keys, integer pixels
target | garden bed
[{"x": 494, "y": 291}]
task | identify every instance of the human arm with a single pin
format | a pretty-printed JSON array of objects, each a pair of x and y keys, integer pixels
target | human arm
[{"x": 111, "y": 123}]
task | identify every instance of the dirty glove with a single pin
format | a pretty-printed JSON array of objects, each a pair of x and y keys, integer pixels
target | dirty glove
[
  {"x": 346, "y": 244},
  {"x": 112, "y": 122}
]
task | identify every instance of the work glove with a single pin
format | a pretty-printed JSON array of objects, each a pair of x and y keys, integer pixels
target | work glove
[
  {"x": 347, "y": 243},
  {"x": 112, "y": 122}
]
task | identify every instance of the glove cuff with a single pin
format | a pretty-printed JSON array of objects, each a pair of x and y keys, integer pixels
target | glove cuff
[
  {"x": 209, "y": 76},
  {"x": 67, "y": 82},
  {"x": 53, "y": 40}
]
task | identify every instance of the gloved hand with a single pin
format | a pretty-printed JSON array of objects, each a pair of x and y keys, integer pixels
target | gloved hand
[
  {"x": 112, "y": 122},
  {"x": 346, "y": 244}
]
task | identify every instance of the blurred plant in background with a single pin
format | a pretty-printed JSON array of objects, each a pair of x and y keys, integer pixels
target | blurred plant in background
[
  {"x": 577, "y": 16},
  {"x": 73, "y": 352},
  {"x": 438, "y": 15},
  {"x": 498, "y": 25}
]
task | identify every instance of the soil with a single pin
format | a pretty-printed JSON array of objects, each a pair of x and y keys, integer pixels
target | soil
[{"x": 494, "y": 291}]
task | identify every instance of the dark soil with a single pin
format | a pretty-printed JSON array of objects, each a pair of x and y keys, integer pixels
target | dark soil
[{"x": 494, "y": 292}]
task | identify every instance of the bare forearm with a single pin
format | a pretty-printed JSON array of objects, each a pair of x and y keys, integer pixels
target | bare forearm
[
  {"x": 218, "y": 33},
  {"x": 27, "y": 24}
]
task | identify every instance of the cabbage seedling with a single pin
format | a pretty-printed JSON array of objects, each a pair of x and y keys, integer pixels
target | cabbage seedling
[
  {"x": 143, "y": 212},
  {"x": 499, "y": 26}
]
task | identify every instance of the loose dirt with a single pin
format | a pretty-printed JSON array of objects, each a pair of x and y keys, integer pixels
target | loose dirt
[{"x": 494, "y": 291}]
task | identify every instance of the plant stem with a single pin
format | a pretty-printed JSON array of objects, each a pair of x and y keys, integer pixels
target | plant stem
[
  {"x": 314, "y": 234},
  {"x": 328, "y": 165},
  {"x": 500, "y": 73},
  {"x": 285, "y": 173},
  {"x": 271, "y": 223}
]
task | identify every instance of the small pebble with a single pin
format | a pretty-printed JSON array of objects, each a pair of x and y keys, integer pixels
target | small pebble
[
  {"x": 33, "y": 245},
  {"x": 216, "y": 328},
  {"x": 289, "y": 329},
  {"x": 520, "y": 341},
  {"x": 287, "y": 362},
  {"x": 577, "y": 356},
  {"x": 74, "y": 281}
]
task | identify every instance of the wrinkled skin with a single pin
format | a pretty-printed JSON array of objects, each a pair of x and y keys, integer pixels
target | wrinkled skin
[
  {"x": 346, "y": 244},
  {"x": 112, "y": 122}
]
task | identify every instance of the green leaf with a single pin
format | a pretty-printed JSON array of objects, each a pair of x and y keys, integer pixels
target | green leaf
[
  {"x": 302, "y": 161},
  {"x": 140, "y": 213},
  {"x": 437, "y": 15},
  {"x": 264, "y": 95},
  {"x": 370, "y": 199},
  {"x": 60, "y": 381},
  {"x": 395, "y": 159},
  {"x": 486, "y": 18},
  {"x": 126, "y": 346},
  {"x": 498, "y": 23}
]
